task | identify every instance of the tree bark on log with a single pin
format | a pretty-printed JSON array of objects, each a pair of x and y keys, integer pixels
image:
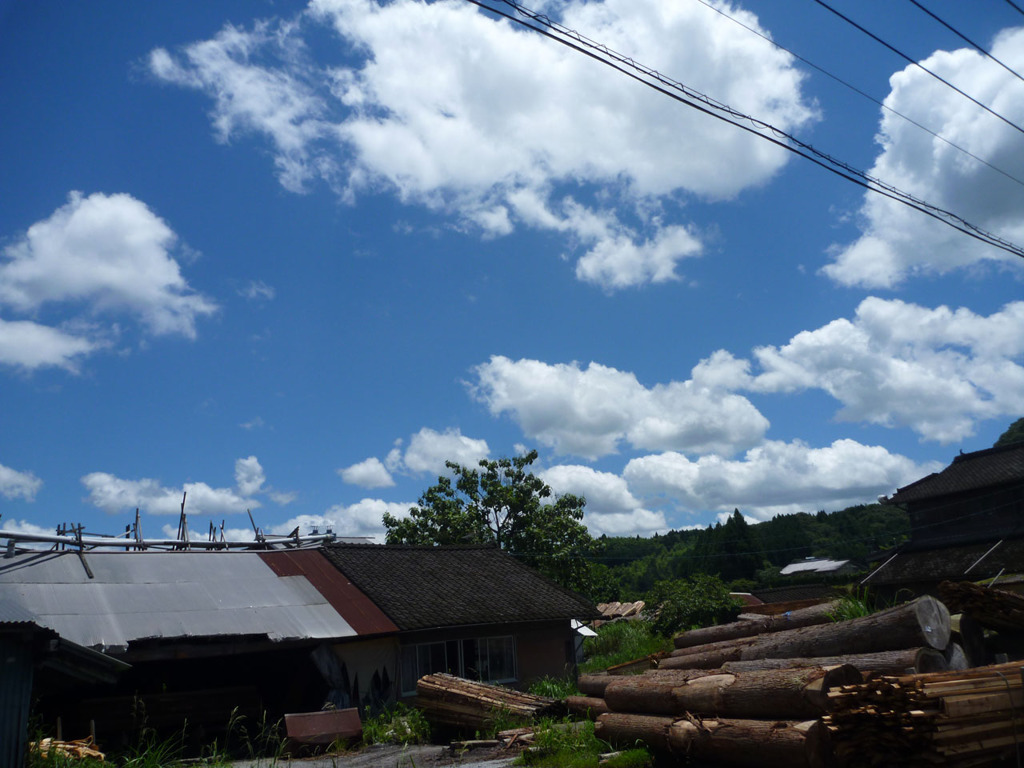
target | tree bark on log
[
  {"x": 754, "y": 625},
  {"x": 883, "y": 662},
  {"x": 625, "y": 730},
  {"x": 588, "y": 707},
  {"x": 955, "y": 657},
  {"x": 971, "y": 637},
  {"x": 710, "y": 656},
  {"x": 593, "y": 685},
  {"x": 760, "y": 743},
  {"x": 755, "y": 743},
  {"x": 793, "y": 694},
  {"x": 922, "y": 622}
]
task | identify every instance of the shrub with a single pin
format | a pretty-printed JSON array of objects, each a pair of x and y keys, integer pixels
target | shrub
[
  {"x": 564, "y": 744},
  {"x": 554, "y": 687},
  {"x": 700, "y": 601},
  {"x": 397, "y": 725},
  {"x": 620, "y": 642}
]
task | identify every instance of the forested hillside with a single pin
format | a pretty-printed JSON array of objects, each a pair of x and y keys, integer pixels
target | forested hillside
[{"x": 741, "y": 554}]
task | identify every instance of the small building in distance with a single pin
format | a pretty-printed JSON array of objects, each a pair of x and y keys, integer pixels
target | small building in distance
[{"x": 819, "y": 565}]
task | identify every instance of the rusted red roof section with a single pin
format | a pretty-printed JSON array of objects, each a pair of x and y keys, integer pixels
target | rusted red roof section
[{"x": 353, "y": 606}]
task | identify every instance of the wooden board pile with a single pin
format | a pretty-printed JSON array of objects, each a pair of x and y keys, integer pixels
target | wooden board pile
[
  {"x": 990, "y": 607},
  {"x": 77, "y": 750},
  {"x": 959, "y": 718},
  {"x": 453, "y": 701}
]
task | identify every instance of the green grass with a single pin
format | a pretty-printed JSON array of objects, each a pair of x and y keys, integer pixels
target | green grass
[
  {"x": 397, "y": 725},
  {"x": 630, "y": 758},
  {"x": 554, "y": 687},
  {"x": 569, "y": 744},
  {"x": 620, "y": 642}
]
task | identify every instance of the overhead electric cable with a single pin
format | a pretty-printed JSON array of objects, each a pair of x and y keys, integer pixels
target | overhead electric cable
[
  {"x": 866, "y": 95},
  {"x": 917, "y": 64},
  {"x": 702, "y": 103},
  {"x": 967, "y": 40},
  {"x": 1016, "y": 7}
]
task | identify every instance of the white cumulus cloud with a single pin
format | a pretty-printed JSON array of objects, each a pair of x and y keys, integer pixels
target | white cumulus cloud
[
  {"x": 114, "y": 494},
  {"x": 29, "y": 345},
  {"x": 16, "y": 484},
  {"x": 610, "y": 509},
  {"x": 110, "y": 252},
  {"x": 370, "y": 473},
  {"x": 898, "y": 242},
  {"x": 365, "y": 517},
  {"x": 775, "y": 478},
  {"x": 429, "y": 450},
  {"x": 503, "y": 123},
  {"x": 936, "y": 371},
  {"x": 249, "y": 476},
  {"x": 590, "y": 411}
]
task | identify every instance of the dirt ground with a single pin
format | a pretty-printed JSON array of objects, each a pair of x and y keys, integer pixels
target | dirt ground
[{"x": 393, "y": 756}]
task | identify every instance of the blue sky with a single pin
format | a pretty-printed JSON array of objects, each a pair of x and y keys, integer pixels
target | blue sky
[{"x": 290, "y": 258}]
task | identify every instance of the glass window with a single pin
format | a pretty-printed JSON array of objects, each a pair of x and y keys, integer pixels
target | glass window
[
  {"x": 420, "y": 660},
  {"x": 501, "y": 659},
  {"x": 488, "y": 659}
]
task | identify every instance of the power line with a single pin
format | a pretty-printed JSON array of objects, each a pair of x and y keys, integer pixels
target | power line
[
  {"x": 766, "y": 131},
  {"x": 901, "y": 54},
  {"x": 1015, "y": 7},
  {"x": 866, "y": 95},
  {"x": 968, "y": 40}
]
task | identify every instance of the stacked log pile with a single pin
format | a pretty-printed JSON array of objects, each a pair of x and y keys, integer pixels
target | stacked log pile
[
  {"x": 752, "y": 624},
  {"x": 756, "y": 718},
  {"x": 453, "y": 701},
  {"x": 769, "y": 744},
  {"x": 923, "y": 623},
  {"x": 961, "y": 718},
  {"x": 755, "y": 695}
]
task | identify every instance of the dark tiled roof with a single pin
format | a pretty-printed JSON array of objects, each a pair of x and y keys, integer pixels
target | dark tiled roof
[
  {"x": 968, "y": 472},
  {"x": 952, "y": 563},
  {"x": 424, "y": 587}
]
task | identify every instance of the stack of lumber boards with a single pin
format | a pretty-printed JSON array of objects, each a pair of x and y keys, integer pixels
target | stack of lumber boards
[
  {"x": 990, "y": 607},
  {"x": 454, "y": 701},
  {"x": 961, "y": 718},
  {"x": 78, "y": 749}
]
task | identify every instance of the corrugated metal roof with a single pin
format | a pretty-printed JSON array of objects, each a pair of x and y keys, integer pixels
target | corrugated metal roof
[
  {"x": 12, "y": 613},
  {"x": 365, "y": 617},
  {"x": 134, "y": 596},
  {"x": 814, "y": 566}
]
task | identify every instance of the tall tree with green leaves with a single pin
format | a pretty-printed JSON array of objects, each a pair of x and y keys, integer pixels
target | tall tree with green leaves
[
  {"x": 503, "y": 503},
  {"x": 1013, "y": 434}
]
